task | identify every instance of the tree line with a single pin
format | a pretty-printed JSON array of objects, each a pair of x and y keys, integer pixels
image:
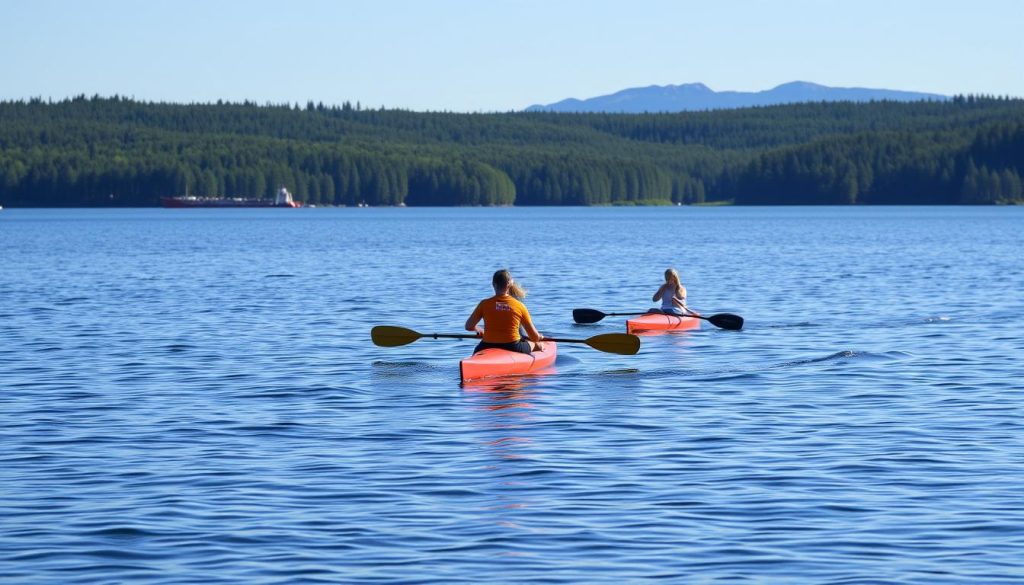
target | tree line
[
  {"x": 114, "y": 151},
  {"x": 949, "y": 167}
]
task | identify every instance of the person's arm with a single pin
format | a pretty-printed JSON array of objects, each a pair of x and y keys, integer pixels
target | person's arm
[
  {"x": 532, "y": 332},
  {"x": 473, "y": 320},
  {"x": 679, "y": 299},
  {"x": 661, "y": 291}
]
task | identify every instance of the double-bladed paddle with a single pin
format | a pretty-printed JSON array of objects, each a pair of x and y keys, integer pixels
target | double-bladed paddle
[
  {"x": 620, "y": 343},
  {"x": 723, "y": 320}
]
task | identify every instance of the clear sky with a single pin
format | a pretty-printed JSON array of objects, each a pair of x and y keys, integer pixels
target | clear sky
[{"x": 494, "y": 55}]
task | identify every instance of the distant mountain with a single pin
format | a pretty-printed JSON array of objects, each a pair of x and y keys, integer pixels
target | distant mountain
[{"x": 697, "y": 96}]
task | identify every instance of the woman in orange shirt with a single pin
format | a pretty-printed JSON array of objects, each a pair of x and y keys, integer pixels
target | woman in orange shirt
[{"x": 502, "y": 315}]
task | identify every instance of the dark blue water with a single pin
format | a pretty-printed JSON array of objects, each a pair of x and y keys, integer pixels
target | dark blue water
[{"x": 191, "y": 396}]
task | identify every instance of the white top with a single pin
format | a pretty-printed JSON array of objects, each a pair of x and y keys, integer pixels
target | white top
[{"x": 666, "y": 300}]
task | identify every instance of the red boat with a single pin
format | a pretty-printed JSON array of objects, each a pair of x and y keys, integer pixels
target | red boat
[
  {"x": 661, "y": 322},
  {"x": 282, "y": 199},
  {"x": 500, "y": 362}
]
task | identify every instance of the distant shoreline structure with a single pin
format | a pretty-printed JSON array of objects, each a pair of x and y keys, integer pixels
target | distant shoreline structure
[{"x": 282, "y": 199}]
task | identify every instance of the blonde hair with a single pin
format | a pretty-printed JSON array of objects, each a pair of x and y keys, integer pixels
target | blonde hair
[
  {"x": 517, "y": 291},
  {"x": 672, "y": 276}
]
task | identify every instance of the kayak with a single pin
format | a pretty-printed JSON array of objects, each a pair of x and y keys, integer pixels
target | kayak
[
  {"x": 660, "y": 322},
  {"x": 502, "y": 362}
]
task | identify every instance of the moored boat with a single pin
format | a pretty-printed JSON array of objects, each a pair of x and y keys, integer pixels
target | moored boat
[
  {"x": 661, "y": 322},
  {"x": 502, "y": 362}
]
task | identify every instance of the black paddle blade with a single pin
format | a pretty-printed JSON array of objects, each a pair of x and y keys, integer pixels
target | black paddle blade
[
  {"x": 727, "y": 321},
  {"x": 587, "y": 315}
]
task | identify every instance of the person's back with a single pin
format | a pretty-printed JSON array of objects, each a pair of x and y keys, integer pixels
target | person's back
[{"x": 503, "y": 315}]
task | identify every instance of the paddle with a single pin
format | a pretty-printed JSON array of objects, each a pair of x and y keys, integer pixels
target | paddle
[
  {"x": 621, "y": 343},
  {"x": 723, "y": 320}
]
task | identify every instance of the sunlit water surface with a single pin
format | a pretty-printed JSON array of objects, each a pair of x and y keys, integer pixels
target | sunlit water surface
[{"x": 192, "y": 396}]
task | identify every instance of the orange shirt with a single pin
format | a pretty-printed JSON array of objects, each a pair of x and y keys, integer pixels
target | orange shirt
[{"x": 502, "y": 315}]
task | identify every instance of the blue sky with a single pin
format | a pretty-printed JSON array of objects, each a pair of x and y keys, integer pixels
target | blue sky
[{"x": 492, "y": 55}]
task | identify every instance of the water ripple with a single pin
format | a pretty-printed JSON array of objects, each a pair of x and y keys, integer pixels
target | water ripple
[{"x": 198, "y": 414}]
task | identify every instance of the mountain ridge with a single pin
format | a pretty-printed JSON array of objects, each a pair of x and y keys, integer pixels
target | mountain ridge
[{"x": 697, "y": 96}]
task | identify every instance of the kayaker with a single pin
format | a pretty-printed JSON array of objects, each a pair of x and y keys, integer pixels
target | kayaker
[
  {"x": 502, "y": 315},
  {"x": 672, "y": 295}
]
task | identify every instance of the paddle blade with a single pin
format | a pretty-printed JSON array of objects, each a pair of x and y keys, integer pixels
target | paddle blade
[
  {"x": 587, "y": 315},
  {"x": 727, "y": 321},
  {"x": 620, "y": 343},
  {"x": 387, "y": 336}
]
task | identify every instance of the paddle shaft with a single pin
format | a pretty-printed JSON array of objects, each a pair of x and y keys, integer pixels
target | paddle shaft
[
  {"x": 390, "y": 336},
  {"x": 449, "y": 336},
  {"x": 650, "y": 313},
  {"x": 467, "y": 336},
  {"x": 722, "y": 320}
]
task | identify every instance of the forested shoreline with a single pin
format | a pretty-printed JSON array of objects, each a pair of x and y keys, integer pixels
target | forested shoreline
[{"x": 114, "y": 151}]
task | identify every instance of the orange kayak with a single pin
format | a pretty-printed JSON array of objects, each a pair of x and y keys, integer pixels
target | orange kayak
[
  {"x": 658, "y": 322},
  {"x": 501, "y": 362}
]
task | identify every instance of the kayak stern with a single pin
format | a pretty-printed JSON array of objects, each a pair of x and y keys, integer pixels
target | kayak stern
[{"x": 502, "y": 362}]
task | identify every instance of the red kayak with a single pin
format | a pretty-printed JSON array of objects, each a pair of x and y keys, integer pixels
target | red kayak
[
  {"x": 502, "y": 362},
  {"x": 660, "y": 322}
]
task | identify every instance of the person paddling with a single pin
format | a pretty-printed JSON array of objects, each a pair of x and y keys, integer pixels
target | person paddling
[
  {"x": 502, "y": 315},
  {"x": 672, "y": 295}
]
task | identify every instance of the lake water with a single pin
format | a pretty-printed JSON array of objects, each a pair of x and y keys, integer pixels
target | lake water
[{"x": 191, "y": 396}]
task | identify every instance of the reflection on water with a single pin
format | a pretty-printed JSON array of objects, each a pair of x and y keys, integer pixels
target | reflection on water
[
  {"x": 499, "y": 386},
  {"x": 507, "y": 402},
  {"x": 502, "y": 426}
]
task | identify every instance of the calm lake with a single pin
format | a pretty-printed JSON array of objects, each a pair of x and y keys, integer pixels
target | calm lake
[{"x": 191, "y": 396}]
